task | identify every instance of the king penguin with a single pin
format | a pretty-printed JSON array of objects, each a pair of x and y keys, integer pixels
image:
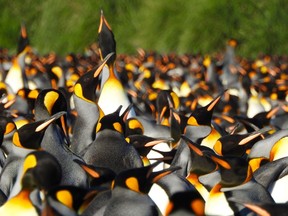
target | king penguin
[
  {"x": 15, "y": 156},
  {"x": 110, "y": 149},
  {"x": 130, "y": 192},
  {"x": 111, "y": 86},
  {"x": 88, "y": 111},
  {"x": 16, "y": 78},
  {"x": 49, "y": 102},
  {"x": 40, "y": 170}
]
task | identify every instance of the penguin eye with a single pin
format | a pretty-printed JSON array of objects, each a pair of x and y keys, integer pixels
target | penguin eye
[{"x": 117, "y": 126}]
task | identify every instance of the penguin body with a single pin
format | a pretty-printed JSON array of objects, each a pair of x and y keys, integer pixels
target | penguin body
[
  {"x": 134, "y": 184},
  {"x": 111, "y": 150},
  {"x": 54, "y": 141}
]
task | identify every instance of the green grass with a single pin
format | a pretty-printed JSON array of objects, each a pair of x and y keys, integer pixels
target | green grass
[{"x": 163, "y": 25}]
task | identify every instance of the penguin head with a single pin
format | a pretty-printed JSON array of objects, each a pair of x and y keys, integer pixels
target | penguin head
[
  {"x": 98, "y": 175},
  {"x": 41, "y": 170},
  {"x": 234, "y": 170},
  {"x": 7, "y": 125},
  {"x": 30, "y": 135},
  {"x": 186, "y": 201},
  {"x": 23, "y": 43},
  {"x": 107, "y": 43},
  {"x": 72, "y": 197},
  {"x": 237, "y": 144},
  {"x": 85, "y": 87},
  {"x": 50, "y": 102},
  {"x": 7, "y": 128},
  {"x": 141, "y": 179},
  {"x": 31, "y": 98},
  {"x": 166, "y": 99},
  {"x": 177, "y": 126},
  {"x": 143, "y": 144},
  {"x": 133, "y": 127},
  {"x": 232, "y": 42},
  {"x": 203, "y": 115},
  {"x": 112, "y": 121},
  {"x": 201, "y": 163}
]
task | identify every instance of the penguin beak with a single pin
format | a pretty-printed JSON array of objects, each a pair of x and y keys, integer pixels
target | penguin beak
[
  {"x": 49, "y": 121},
  {"x": 254, "y": 135},
  {"x": 125, "y": 114},
  {"x": 99, "y": 69},
  {"x": 214, "y": 102},
  {"x": 158, "y": 141},
  {"x": 9, "y": 103}
]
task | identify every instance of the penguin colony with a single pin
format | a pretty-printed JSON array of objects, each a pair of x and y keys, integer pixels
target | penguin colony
[{"x": 150, "y": 134}]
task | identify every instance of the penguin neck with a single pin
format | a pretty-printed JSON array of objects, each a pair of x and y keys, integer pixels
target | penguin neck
[
  {"x": 21, "y": 62},
  {"x": 111, "y": 72},
  {"x": 84, "y": 127},
  {"x": 217, "y": 203},
  {"x": 193, "y": 179},
  {"x": 108, "y": 74},
  {"x": 108, "y": 133},
  {"x": 53, "y": 140}
]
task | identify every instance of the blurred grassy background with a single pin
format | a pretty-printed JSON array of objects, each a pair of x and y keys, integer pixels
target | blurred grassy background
[{"x": 164, "y": 25}]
